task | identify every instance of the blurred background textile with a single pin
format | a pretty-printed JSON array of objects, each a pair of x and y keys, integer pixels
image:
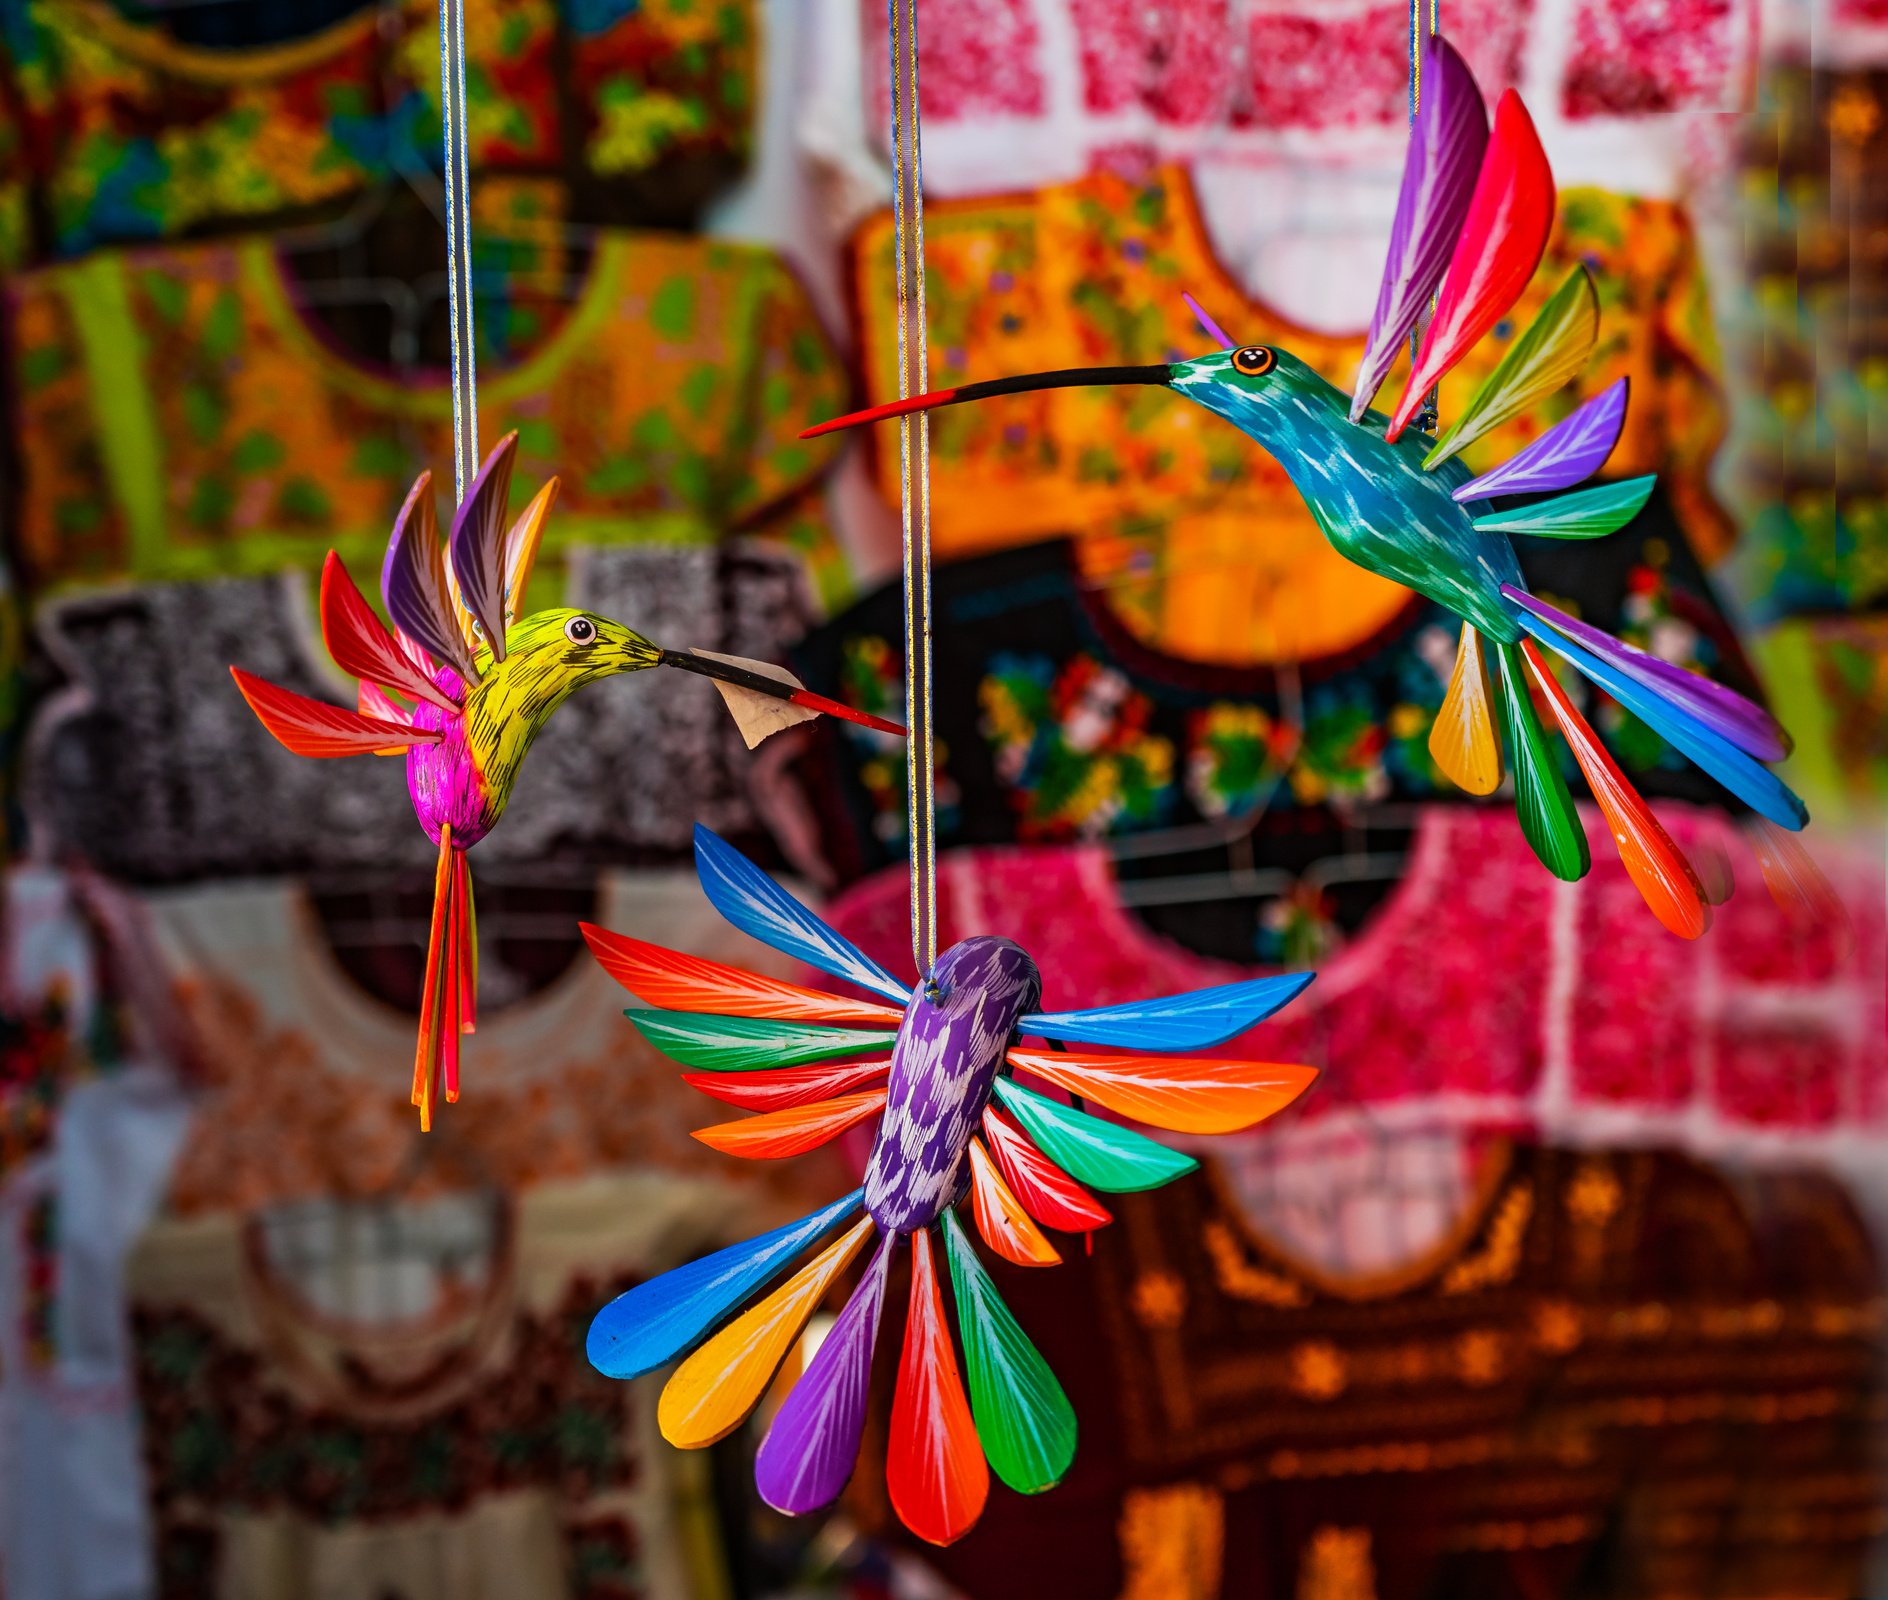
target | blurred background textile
[{"x": 1566, "y": 1280}]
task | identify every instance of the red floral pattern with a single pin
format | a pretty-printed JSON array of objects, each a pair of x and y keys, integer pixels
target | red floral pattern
[{"x": 1644, "y": 57}]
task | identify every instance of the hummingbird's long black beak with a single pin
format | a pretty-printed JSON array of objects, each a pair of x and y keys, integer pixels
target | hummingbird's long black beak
[
  {"x": 761, "y": 677},
  {"x": 1066, "y": 378}
]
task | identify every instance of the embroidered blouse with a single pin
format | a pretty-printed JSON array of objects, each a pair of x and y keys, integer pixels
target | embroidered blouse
[{"x": 133, "y": 134}]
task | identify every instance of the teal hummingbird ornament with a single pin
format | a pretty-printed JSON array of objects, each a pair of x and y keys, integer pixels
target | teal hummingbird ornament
[{"x": 1472, "y": 220}]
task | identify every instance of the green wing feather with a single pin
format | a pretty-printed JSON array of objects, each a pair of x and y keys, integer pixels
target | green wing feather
[
  {"x": 1588, "y": 514},
  {"x": 1113, "y": 1159},
  {"x": 1541, "y": 799},
  {"x": 1024, "y": 1421},
  {"x": 749, "y": 1044},
  {"x": 1548, "y": 356}
]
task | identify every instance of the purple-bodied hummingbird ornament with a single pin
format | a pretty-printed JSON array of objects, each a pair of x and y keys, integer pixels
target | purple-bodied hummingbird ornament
[
  {"x": 940, "y": 1068},
  {"x": 482, "y": 684},
  {"x": 1472, "y": 220}
]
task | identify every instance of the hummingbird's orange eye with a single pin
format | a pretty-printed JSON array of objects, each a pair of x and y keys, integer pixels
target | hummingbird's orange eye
[{"x": 1254, "y": 361}]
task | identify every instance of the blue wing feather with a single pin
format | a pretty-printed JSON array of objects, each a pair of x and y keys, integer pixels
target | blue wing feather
[
  {"x": 758, "y": 906},
  {"x": 1758, "y": 787},
  {"x": 1194, "y": 1021},
  {"x": 657, "y": 1321}
]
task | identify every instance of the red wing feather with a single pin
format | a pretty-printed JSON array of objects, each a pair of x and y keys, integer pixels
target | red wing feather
[
  {"x": 672, "y": 981},
  {"x": 776, "y": 1134},
  {"x": 362, "y": 646},
  {"x": 315, "y": 728}
]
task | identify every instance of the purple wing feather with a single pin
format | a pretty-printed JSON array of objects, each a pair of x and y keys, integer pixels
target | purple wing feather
[
  {"x": 1569, "y": 452},
  {"x": 809, "y": 1451},
  {"x": 1726, "y": 713},
  {"x": 478, "y": 543},
  {"x": 1445, "y": 155},
  {"x": 413, "y": 583}
]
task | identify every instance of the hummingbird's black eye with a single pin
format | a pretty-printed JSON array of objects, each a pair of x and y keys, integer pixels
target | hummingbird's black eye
[
  {"x": 580, "y": 630},
  {"x": 1254, "y": 361}
]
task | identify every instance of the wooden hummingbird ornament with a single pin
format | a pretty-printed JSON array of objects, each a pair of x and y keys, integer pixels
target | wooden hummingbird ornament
[
  {"x": 940, "y": 1069},
  {"x": 481, "y": 683},
  {"x": 1472, "y": 220}
]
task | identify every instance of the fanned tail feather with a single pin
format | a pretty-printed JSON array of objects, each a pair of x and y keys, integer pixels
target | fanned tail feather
[
  {"x": 1725, "y": 712},
  {"x": 1672, "y": 719},
  {"x": 711, "y": 1393},
  {"x": 1462, "y": 739},
  {"x": 653, "y": 1323},
  {"x": 1048, "y": 1193},
  {"x": 1541, "y": 798},
  {"x": 934, "y": 1466},
  {"x": 809, "y": 1451},
  {"x": 1024, "y": 1420},
  {"x": 1656, "y": 865},
  {"x": 436, "y": 989},
  {"x": 1006, "y": 1227}
]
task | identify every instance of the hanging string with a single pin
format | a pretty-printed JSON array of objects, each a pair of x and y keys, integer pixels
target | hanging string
[
  {"x": 465, "y": 411},
  {"x": 1426, "y": 418},
  {"x": 915, "y": 479}
]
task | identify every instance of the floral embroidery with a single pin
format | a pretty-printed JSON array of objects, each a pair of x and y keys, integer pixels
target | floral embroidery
[
  {"x": 1298, "y": 929},
  {"x": 1234, "y": 754},
  {"x": 1072, "y": 747},
  {"x": 219, "y": 1431}
]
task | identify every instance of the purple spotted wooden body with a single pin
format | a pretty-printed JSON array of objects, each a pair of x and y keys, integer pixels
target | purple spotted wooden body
[
  {"x": 943, "y": 1063},
  {"x": 443, "y": 778}
]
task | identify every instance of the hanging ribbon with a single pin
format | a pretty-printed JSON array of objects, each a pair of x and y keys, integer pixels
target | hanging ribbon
[
  {"x": 915, "y": 477},
  {"x": 465, "y": 412}
]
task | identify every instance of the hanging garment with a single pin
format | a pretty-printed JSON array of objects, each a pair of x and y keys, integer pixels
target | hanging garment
[
  {"x": 1483, "y": 994},
  {"x": 454, "y": 1446},
  {"x": 150, "y": 767},
  {"x": 1061, "y": 725},
  {"x": 134, "y": 132},
  {"x": 1614, "y": 1373},
  {"x": 180, "y": 416},
  {"x": 360, "y": 1348},
  {"x": 1206, "y": 527},
  {"x": 1021, "y": 93},
  {"x": 310, "y": 1073}
]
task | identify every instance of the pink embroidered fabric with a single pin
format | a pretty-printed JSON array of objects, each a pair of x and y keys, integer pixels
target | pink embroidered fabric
[
  {"x": 1647, "y": 57},
  {"x": 1008, "y": 106},
  {"x": 1483, "y": 993}
]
